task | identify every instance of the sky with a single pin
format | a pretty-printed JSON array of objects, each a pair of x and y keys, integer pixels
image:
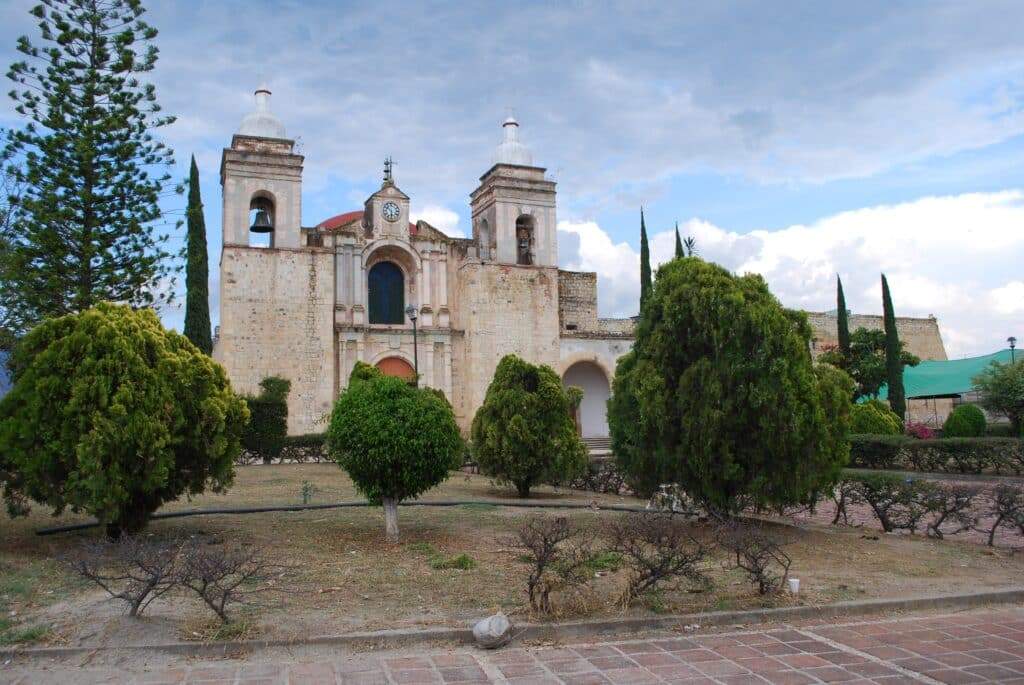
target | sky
[{"x": 799, "y": 140}]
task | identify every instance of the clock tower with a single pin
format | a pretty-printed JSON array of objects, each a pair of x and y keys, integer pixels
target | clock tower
[{"x": 386, "y": 212}]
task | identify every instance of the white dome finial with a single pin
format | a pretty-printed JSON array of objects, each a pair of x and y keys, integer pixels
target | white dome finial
[
  {"x": 511, "y": 150},
  {"x": 262, "y": 123}
]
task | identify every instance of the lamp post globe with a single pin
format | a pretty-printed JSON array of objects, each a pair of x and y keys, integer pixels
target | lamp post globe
[{"x": 410, "y": 311}]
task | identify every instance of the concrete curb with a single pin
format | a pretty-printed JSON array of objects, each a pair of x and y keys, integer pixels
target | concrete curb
[{"x": 558, "y": 632}]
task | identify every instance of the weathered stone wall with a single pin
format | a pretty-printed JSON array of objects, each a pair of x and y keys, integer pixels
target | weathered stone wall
[
  {"x": 277, "y": 318},
  {"x": 921, "y": 336},
  {"x": 577, "y": 300},
  {"x": 501, "y": 309}
]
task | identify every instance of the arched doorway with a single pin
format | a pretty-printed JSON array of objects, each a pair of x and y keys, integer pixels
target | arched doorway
[
  {"x": 386, "y": 286},
  {"x": 396, "y": 366},
  {"x": 590, "y": 378}
]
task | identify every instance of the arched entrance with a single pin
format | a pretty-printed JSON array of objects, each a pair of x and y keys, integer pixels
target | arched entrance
[
  {"x": 590, "y": 378},
  {"x": 386, "y": 288},
  {"x": 396, "y": 366}
]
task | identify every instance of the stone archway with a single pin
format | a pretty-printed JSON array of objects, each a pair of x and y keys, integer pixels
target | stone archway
[
  {"x": 396, "y": 366},
  {"x": 593, "y": 412}
]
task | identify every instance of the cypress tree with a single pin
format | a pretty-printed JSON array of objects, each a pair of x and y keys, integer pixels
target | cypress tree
[
  {"x": 645, "y": 262},
  {"x": 842, "y": 320},
  {"x": 90, "y": 166},
  {"x": 679, "y": 244},
  {"x": 893, "y": 355},
  {"x": 197, "y": 271}
]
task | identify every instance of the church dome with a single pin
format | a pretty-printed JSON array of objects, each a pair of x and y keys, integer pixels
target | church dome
[
  {"x": 511, "y": 150},
  {"x": 262, "y": 123}
]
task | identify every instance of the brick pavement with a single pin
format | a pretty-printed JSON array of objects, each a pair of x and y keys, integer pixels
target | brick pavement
[{"x": 981, "y": 646}]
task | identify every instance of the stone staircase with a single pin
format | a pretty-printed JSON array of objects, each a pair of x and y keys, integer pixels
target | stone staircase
[{"x": 599, "y": 447}]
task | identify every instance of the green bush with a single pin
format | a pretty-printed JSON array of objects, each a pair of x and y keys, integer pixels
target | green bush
[
  {"x": 874, "y": 417},
  {"x": 1001, "y": 387},
  {"x": 997, "y": 456},
  {"x": 720, "y": 395},
  {"x": 114, "y": 415},
  {"x": 394, "y": 440},
  {"x": 965, "y": 421},
  {"x": 524, "y": 433},
  {"x": 265, "y": 434}
]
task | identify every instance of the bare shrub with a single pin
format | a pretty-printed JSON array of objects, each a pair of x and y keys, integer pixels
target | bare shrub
[
  {"x": 1006, "y": 509},
  {"x": 134, "y": 569},
  {"x": 224, "y": 575},
  {"x": 898, "y": 503},
  {"x": 758, "y": 551},
  {"x": 951, "y": 504},
  {"x": 846, "y": 493},
  {"x": 658, "y": 549},
  {"x": 557, "y": 565}
]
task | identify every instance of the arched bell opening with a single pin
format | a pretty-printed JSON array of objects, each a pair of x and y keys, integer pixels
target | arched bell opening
[
  {"x": 484, "y": 239},
  {"x": 593, "y": 410},
  {"x": 524, "y": 239},
  {"x": 262, "y": 220}
]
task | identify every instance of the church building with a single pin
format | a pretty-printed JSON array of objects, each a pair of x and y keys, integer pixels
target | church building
[{"x": 308, "y": 302}]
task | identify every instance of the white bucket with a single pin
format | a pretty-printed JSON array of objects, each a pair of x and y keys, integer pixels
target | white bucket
[{"x": 794, "y": 585}]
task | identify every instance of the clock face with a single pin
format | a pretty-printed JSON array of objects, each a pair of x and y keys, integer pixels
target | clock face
[{"x": 391, "y": 211}]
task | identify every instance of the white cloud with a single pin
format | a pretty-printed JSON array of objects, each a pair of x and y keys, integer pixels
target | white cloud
[
  {"x": 1009, "y": 299},
  {"x": 949, "y": 256},
  {"x": 439, "y": 217}
]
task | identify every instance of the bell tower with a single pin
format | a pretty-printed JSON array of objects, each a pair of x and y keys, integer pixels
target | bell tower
[
  {"x": 261, "y": 178},
  {"x": 513, "y": 208}
]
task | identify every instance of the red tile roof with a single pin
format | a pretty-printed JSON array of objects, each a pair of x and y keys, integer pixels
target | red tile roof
[{"x": 340, "y": 220}]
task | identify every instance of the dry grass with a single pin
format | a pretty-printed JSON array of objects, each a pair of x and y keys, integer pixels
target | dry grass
[{"x": 350, "y": 579}]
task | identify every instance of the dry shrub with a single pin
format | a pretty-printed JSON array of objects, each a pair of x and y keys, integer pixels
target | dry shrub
[
  {"x": 1006, "y": 509},
  {"x": 758, "y": 551},
  {"x": 659, "y": 549},
  {"x": 223, "y": 576},
  {"x": 134, "y": 569},
  {"x": 951, "y": 504},
  {"x": 558, "y": 564}
]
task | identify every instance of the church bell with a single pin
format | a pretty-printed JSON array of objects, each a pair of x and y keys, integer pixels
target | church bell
[{"x": 262, "y": 224}]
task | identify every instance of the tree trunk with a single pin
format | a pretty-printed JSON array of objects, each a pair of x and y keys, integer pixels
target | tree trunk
[
  {"x": 391, "y": 518},
  {"x": 523, "y": 488}
]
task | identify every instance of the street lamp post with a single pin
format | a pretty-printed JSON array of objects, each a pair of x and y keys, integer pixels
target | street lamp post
[
  {"x": 410, "y": 311},
  {"x": 1013, "y": 343}
]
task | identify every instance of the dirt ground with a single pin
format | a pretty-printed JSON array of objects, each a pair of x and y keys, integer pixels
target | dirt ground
[{"x": 346, "y": 578}]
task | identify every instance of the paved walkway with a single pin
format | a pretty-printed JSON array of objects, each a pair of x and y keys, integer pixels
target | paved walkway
[{"x": 982, "y": 646}]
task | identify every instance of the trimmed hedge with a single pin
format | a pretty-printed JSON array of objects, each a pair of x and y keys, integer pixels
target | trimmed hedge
[{"x": 997, "y": 456}]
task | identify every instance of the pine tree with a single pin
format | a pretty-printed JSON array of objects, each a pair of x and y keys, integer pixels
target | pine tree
[
  {"x": 893, "y": 355},
  {"x": 197, "y": 295},
  {"x": 645, "y": 262},
  {"x": 842, "y": 320},
  {"x": 86, "y": 231},
  {"x": 679, "y": 244}
]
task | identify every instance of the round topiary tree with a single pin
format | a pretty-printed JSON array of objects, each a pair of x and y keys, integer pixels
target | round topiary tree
[
  {"x": 524, "y": 433},
  {"x": 114, "y": 415},
  {"x": 394, "y": 440},
  {"x": 874, "y": 417},
  {"x": 720, "y": 395},
  {"x": 966, "y": 421}
]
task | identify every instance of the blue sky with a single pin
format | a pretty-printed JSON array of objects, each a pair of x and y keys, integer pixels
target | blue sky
[{"x": 796, "y": 139}]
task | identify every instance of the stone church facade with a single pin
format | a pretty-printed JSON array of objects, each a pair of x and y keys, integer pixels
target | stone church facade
[{"x": 308, "y": 302}]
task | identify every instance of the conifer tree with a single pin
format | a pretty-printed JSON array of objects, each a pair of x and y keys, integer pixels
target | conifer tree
[
  {"x": 645, "y": 262},
  {"x": 842, "y": 320},
  {"x": 197, "y": 271},
  {"x": 893, "y": 355},
  {"x": 679, "y": 244},
  {"x": 91, "y": 169}
]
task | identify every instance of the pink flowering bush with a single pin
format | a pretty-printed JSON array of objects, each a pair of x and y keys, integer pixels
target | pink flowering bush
[{"x": 919, "y": 431}]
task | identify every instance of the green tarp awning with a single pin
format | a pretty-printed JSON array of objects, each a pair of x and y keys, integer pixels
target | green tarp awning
[{"x": 946, "y": 378}]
